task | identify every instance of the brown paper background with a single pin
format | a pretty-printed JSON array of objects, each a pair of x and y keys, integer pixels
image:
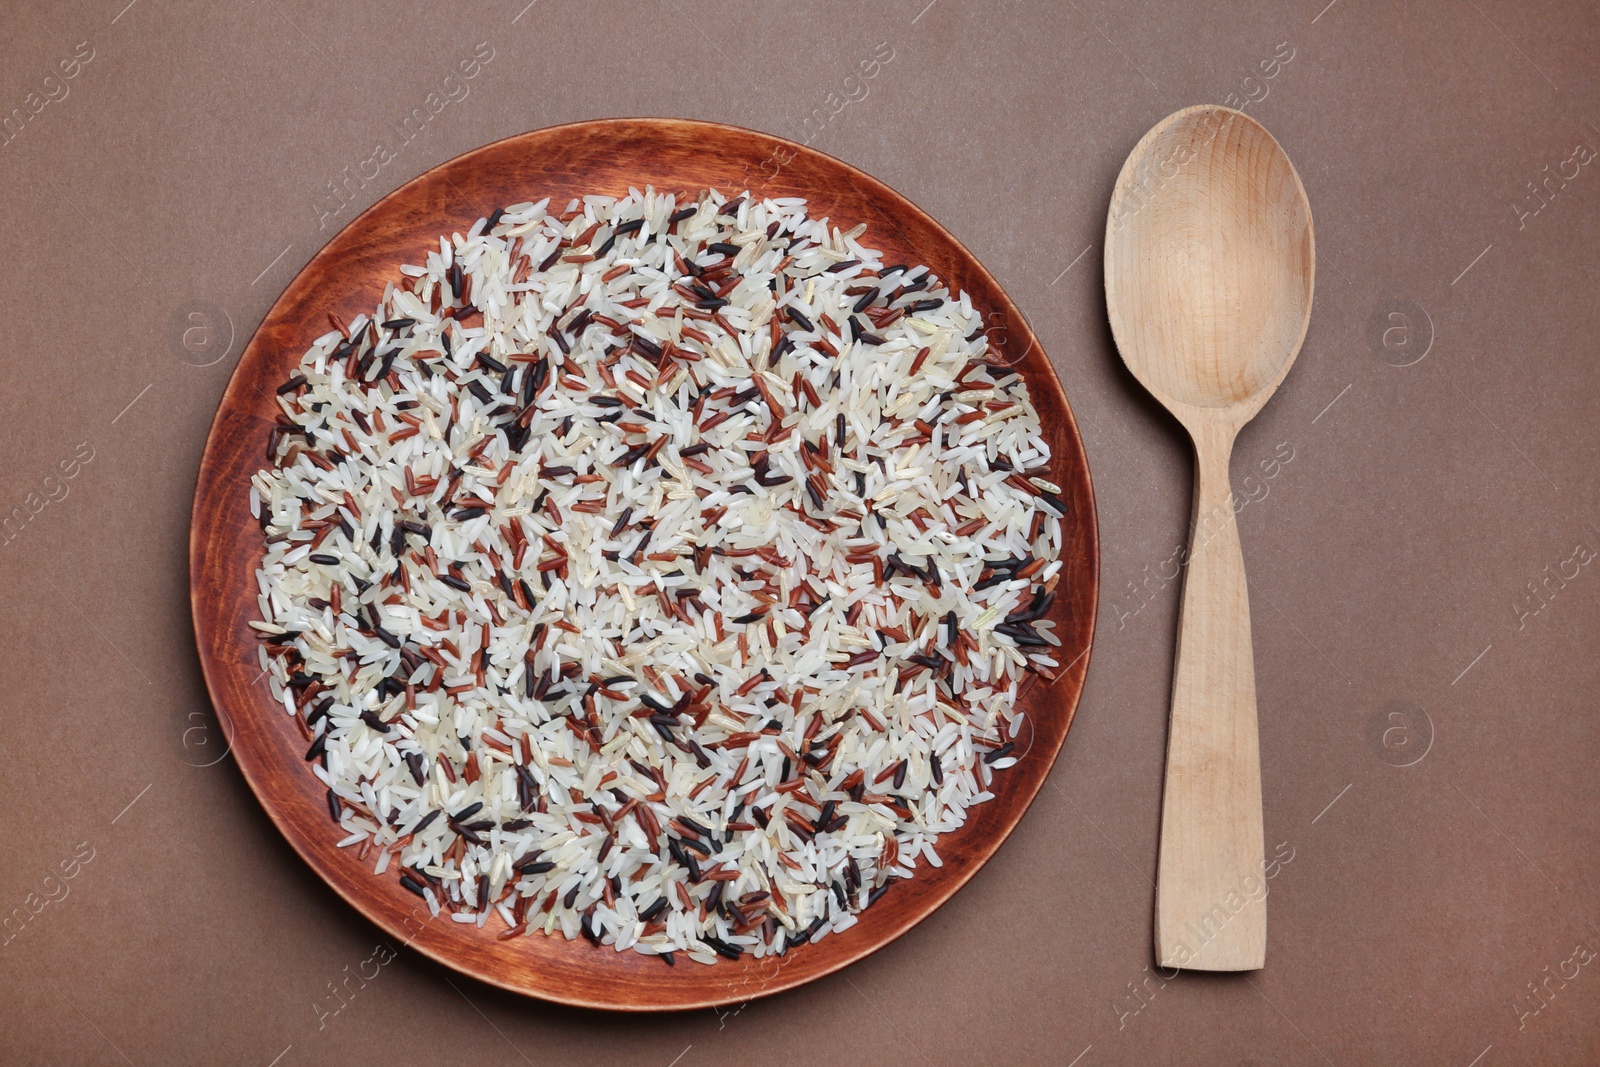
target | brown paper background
[{"x": 1424, "y": 904}]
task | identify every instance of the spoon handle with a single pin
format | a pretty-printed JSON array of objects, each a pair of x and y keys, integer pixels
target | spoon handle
[{"x": 1211, "y": 911}]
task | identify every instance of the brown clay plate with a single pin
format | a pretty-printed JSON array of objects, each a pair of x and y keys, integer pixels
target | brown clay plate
[{"x": 347, "y": 278}]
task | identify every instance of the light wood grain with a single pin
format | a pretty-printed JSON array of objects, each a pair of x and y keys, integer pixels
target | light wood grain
[
  {"x": 346, "y": 278},
  {"x": 1209, "y": 268}
]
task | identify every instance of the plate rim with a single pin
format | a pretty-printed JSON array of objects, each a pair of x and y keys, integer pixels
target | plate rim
[{"x": 1066, "y": 693}]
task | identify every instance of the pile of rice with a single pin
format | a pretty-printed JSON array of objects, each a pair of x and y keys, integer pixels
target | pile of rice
[{"x": 662, "y": 574}]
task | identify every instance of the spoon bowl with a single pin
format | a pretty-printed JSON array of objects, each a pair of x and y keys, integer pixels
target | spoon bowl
[
  {"x": 1209, "y": 262},
  {"x": 1209, "y": 268}
]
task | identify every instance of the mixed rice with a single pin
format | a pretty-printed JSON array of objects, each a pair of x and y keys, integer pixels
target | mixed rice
[{"x": 659, "y": 572}]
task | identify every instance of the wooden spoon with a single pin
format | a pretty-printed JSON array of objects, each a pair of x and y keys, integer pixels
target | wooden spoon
[{"x": 1209, "y": 259}]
